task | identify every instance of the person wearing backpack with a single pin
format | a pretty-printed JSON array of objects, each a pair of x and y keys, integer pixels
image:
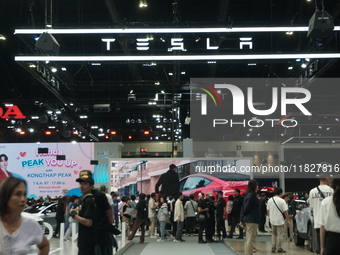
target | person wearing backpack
[
  {"x": 316, "y": 196},
  {"x": 190, "y": 209},
  {"x": 277, "y": 210}
]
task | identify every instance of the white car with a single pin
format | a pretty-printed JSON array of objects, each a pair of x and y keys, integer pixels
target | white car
[{"x": 45, "y": 227}]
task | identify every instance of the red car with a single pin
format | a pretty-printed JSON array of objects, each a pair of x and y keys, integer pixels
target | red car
[{"x": 196, "y": 183}]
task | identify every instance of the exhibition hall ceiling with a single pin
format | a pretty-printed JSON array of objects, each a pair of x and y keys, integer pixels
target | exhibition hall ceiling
[{"x": 142, "y": 97}]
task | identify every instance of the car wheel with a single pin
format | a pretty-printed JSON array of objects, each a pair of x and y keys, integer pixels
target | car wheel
[
  {"x": 48, "y": 230},
  {"x": 310, "y": 238},
  {"x": 297, "y": 239}
]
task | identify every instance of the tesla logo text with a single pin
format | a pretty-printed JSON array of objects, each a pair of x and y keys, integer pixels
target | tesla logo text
[{"x": 177, "y": 44}]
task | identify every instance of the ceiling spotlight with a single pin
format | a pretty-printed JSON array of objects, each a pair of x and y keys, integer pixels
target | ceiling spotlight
[
  {"x": 58, "y": 112},
  {"x": 183, "y": 72},
  {"x": 131, "y": 91},
  {"x": 289, "y": 33},
  {"x": 211, "y": 62},
  {"x": 3, "y": 38},
  {"x": 303, "y": 65},
  {"x": 96, "y": 64},
  {"x": 32, "y": 66},
  {"x": 290, "y": 68},
  {"x": 94, "y": 127},
  {"x": 54, "y": 70},
  {"x": 157, "y": 83},
  {"x": 171, "y": 74},
  {"x": 252, "y": 64},
  {"x": 163, "y": 92},
  {"x": 63, "y": 69},
  {"x": 83, "y": 116},
  {"x": 198, "y": 39},
  {"x": 31, "y": 130}
]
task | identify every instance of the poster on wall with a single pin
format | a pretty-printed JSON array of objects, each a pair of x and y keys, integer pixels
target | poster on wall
[
  {"x": 134, "y": 176},
  {"x": 44, "y": 174}
]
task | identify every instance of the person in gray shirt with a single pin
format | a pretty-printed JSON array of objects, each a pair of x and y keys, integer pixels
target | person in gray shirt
[{"x": 190, "y": 210}]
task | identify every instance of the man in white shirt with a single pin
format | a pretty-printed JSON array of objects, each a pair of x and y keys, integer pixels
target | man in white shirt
[
  {"x": 316, "y": 196},
  {"x": 275, "y": 209},
  {"x": 109, "y": 198},
  {"x": 152, "y": 205},
  {"x": 179, "y": 218}
]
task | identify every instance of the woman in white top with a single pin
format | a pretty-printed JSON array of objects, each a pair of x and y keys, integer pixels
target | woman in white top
[
  {"x": 330, "y": 221},
  {"x": 17, "y": 232}
]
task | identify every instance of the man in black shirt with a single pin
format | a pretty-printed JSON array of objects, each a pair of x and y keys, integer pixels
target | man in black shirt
[
  {"x": 104, "y": 220},
  {"x": 236, "y": 211},
  {"x": 220, "y": 216},
  {"x": 169, "y": 182},
  {"x": 210, "y": 226},
  {"x": 142, "y": 216},
  {"x": 202, "y": 210},
  {"x": 87, "y": 240}
]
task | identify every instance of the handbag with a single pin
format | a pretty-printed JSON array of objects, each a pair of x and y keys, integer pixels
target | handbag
[
  {"x": 200, "y": 217},
  {"x": 114, "y": 230},
  {"x": 283, "y": 215}
]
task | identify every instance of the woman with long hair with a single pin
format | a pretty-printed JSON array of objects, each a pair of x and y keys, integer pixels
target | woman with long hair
[
  {"x": 330, "y": 221},
  {"x": 250, "y": 216},
  {"x": 18, "y": 232},
  {"x": 127, "y": 215}
]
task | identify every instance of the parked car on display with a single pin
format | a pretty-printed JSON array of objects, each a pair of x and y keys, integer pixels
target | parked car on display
[
  {"x": 303, "y": 226},
  {"x": 46, "y": 228},
  {"x": 46, "y": 211},
  {"x": 196, "y": 183}
]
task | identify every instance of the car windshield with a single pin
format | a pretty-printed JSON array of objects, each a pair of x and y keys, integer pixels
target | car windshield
[{"x": 35, "y": 208}]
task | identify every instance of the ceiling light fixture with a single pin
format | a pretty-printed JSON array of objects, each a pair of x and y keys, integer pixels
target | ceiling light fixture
[
  {"x": 54, "y": 70},
  {"x": 3, "y": 38},
  {"x": 210, "y": 58},
  {"x": 290, "y": 68},
  {"x": 289, "y": 33},
  {"x": 165, "y": 30}
]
